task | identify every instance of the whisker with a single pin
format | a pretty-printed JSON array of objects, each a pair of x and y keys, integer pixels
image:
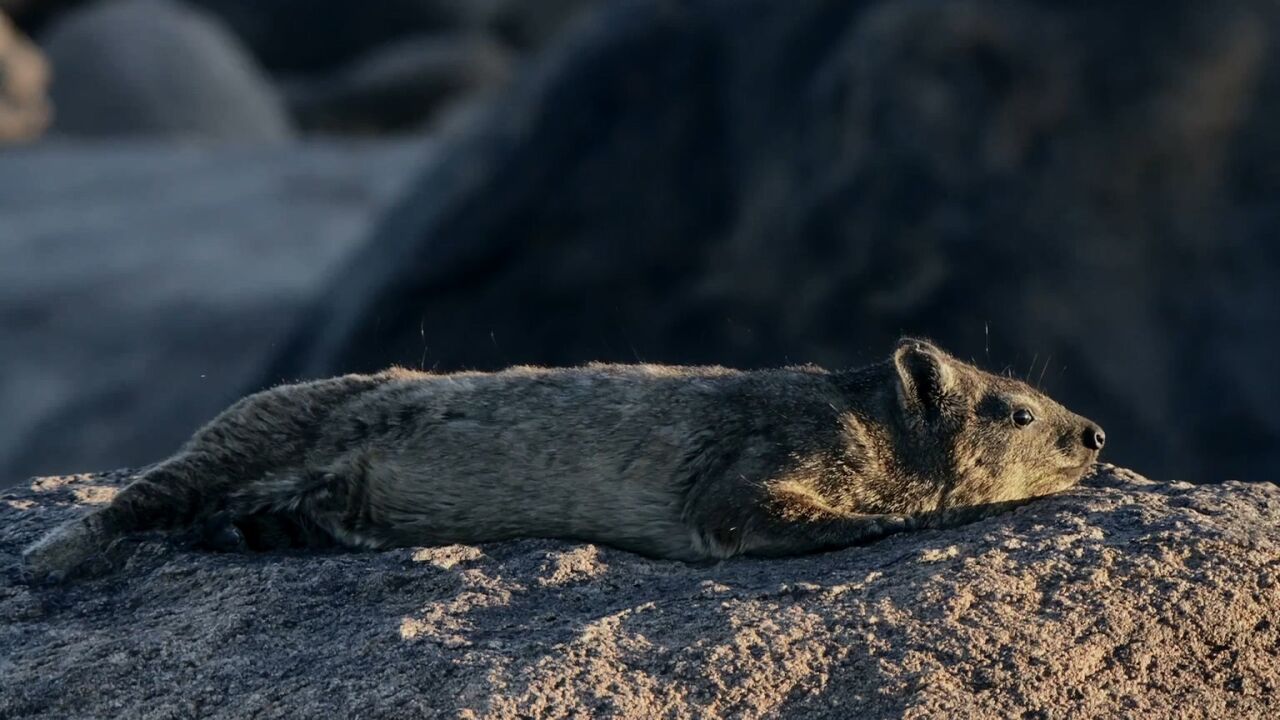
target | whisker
[{"x": 422, "y": 332}]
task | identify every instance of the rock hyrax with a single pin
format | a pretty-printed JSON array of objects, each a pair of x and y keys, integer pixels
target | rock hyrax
[{"x": 690, "y": 463}]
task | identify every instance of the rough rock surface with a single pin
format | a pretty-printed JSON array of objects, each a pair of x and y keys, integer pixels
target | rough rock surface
[
  {"x": 752, "y": 182},
  {"x": 1123, "y": 597}
]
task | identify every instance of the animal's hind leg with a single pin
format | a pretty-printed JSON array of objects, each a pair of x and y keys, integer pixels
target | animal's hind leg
[
  {"x": 320, "y": 508},
  {"x": 168, "y": 496},
  {"x": 276, "y": 531}
]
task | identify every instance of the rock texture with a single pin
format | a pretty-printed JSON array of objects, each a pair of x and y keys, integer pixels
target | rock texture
[
  {"x": 752, "y": 182},
  {"x": 1123, "y": 597}
]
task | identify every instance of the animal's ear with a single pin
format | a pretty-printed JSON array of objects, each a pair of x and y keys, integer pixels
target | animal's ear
[{"x": 926, "y": 378}]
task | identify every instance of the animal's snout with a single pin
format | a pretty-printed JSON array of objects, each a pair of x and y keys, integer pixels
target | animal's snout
[{"x": 1094, "y": 438}]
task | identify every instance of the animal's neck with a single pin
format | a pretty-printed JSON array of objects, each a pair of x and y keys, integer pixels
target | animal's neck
[{"x": 876, "y": 472}]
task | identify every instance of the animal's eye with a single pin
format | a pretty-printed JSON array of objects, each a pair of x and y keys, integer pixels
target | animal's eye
[{"x": 1022, "y": 417}]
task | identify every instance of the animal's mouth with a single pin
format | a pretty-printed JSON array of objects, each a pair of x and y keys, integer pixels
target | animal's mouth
[{"x": 1078, "y": 470}]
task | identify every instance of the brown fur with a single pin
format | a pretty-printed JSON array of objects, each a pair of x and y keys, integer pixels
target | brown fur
[{"x": 690, "y": 463}]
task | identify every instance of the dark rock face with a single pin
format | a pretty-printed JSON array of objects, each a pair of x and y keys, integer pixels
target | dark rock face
[
  {"x": 401, "y": 86},
  {"x": 318, "y": 36},
  {"x": 321, "y": 35},
  {"x": 1082, "y": 192},
  {"x": 1123, "y": 597}
]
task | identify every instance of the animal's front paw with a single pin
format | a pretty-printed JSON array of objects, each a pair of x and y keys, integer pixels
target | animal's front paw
[
  {"x": 66, "y": 552},
  {"x": 220, "y": 534}
]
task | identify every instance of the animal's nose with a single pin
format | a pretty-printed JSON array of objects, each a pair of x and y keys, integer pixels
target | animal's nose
[{"x": 1094, "y": 438}]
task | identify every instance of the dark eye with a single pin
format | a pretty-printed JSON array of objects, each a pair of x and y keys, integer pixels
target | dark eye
[{"x": 1022, "y": 417}]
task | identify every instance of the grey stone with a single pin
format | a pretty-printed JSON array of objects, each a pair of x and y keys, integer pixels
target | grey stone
[{"x": 157, "y": 67}]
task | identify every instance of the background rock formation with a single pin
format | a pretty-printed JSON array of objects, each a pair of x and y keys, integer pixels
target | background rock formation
[
  {"x": 233, "y": 68},
  {"x": 756, "y": 183},
  {"x": 744, "y": 182},
  {"x": 24, "y": 85},
  {"x": 1123, "y": 597},
  {"x": 157, "y": 68},
  {"x": 143, "y": 285}
]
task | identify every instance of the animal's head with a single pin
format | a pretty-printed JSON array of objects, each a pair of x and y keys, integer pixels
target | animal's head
[{"x": 993, "y": 438}]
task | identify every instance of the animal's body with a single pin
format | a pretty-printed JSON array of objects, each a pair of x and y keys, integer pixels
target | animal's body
[{"x": 674, "y": 462}]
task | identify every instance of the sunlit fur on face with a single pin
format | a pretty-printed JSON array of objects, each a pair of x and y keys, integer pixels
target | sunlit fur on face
[{"x": 996, "y": 459}]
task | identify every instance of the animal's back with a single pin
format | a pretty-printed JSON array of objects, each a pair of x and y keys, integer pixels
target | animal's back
[{"x": 601, "y": 453}]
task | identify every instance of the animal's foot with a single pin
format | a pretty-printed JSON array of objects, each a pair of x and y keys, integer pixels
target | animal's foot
[{"x": 66, "y": 552}]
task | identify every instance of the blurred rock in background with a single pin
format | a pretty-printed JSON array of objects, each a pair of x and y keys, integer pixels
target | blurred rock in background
[
  {"x": 24, "y": 83},
  {"x": 154, "y": 67},
  {"x": 323, "y": 36},
  {"x": 237, "y": 68},
  {"x": 160, "y": 243},
  {"x": 143, "y": 284},
  {"x": 401, "y": 86},
  {"x": 320, "y": 36},
  {"x": 1082, "y": 192},
  {"x": 393, "y": 65}
]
